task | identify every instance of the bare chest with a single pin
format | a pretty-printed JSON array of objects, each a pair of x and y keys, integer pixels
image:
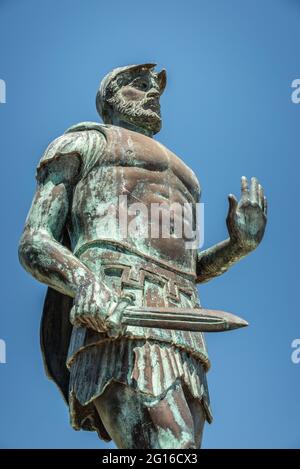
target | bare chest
[{"x": 142, "y": 158}]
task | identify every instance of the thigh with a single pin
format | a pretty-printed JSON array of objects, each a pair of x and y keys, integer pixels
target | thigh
[
  {"x": 135, "y": 420},
  {"x": 125, "y": 417},
  {"x": 173, "y": 420}
]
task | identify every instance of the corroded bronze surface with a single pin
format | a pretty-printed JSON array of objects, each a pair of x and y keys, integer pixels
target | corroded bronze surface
[{"x": 112, "y": 231}]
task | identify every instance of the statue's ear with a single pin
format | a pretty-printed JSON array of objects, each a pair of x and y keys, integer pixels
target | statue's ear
[
  {"x": 107, "y": 114},
  {"x": 162, "y": 80}
]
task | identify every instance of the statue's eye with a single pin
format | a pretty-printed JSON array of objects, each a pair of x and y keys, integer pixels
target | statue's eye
[
  {"x": 144, "y": 85},
  {"x": 140, "y": 84}
]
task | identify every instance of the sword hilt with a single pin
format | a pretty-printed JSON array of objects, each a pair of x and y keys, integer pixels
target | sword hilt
[{"x": 114, "y": 320}]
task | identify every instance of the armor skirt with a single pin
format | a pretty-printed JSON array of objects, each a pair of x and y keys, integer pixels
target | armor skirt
[
  {"x": 149, "y": 367},
  {"x": 149, "y": 360}
]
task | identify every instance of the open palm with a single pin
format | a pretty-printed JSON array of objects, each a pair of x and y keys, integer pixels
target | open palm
[{"x": 246, "y": 219}]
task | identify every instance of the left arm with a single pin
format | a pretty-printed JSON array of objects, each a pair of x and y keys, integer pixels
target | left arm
[{"x": 246, "y": 222}]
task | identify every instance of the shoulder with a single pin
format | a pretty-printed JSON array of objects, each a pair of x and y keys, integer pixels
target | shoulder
[
  {"x": 80, "y": 145},
  {"x": 88, "y": 126}
]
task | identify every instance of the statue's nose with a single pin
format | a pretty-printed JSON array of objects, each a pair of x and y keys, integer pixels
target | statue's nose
[{"x": 153, "y": 93}]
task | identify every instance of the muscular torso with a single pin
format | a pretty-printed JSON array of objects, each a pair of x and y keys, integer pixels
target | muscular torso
[
  {"x": 135, "y": 169},
  {"x": 82, "y": 175}
]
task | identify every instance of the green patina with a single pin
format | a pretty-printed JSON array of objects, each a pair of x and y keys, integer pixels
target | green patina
[{"x": 72, "y": 243}]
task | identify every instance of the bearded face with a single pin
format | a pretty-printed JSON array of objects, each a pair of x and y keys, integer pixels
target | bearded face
[{"x": 135, "y": 99}]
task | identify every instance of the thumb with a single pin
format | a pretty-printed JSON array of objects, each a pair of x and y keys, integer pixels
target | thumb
[
  {"x": 232, "y": 200},
  {"x": 72, "y": 315}
]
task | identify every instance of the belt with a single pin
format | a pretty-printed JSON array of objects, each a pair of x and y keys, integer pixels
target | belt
[
  {"x": 134, "y": 276},
  {"x": 114, "y": 247}
]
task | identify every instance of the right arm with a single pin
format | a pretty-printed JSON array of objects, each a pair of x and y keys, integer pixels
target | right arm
[{"x": 44, "y": 257}]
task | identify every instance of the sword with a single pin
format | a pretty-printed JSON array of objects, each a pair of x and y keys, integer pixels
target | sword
[{"x": 185, "y": 319}]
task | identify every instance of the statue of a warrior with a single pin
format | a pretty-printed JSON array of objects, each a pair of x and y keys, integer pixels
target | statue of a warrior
[{"x": 110, "y": 231}]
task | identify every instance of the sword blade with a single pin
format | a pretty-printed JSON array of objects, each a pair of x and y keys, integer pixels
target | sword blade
[{"x": 189, "y": 319}]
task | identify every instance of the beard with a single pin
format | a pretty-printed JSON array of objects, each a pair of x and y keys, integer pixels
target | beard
[{"x": 144, "y": 113}]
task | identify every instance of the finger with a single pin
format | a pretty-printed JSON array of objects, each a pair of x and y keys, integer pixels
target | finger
[
  {"x": 72, "y": 314},
  {"x": 232, "y": 203},
  {"x": 261, "y": 196},
  {"x": 92, "y": 317},
  {"x": 98, "y": 323},
  {"x": 254, "y": 190},
  {"x": 88, "y": 297},
  {"x": 244, "y": 188},
  {"x": 75, "y": 314},
  {"x": 95, "y": 324},
  {"x": 265, "y": 206},
  {"x": 79, "y": 322},
  {"x": 87, "y": 321}
]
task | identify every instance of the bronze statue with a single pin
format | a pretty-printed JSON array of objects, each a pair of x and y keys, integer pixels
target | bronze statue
[{"x": 122, "y": 324}]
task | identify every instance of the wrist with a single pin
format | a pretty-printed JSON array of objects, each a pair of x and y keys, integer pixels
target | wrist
[{"x": 240, "y": 248}]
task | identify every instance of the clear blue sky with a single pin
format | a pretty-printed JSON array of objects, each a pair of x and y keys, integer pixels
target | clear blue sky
[{"x": 227, "y": 112}]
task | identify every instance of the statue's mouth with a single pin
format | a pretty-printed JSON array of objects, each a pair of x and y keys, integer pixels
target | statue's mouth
[{"x": 152, "y": 104}]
